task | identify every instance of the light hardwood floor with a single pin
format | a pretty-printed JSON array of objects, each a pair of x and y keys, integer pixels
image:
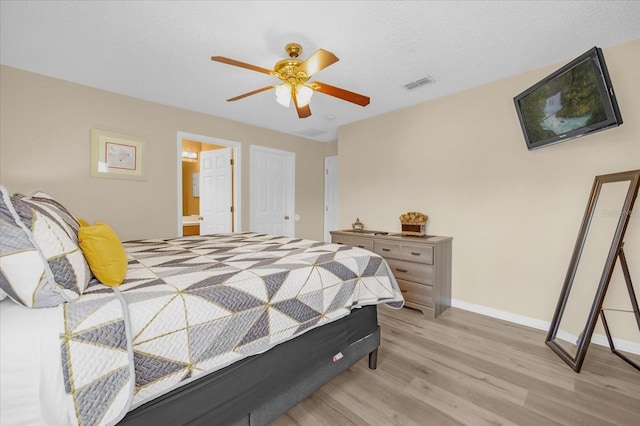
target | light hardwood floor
[{"x": 469, "y": 369}]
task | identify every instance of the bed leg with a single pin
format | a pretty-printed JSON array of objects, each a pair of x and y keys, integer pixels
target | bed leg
[{"x": 373, "y": 359}]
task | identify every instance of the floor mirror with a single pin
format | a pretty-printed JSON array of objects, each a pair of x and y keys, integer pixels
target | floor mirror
[{"x": 597, "y": 249}]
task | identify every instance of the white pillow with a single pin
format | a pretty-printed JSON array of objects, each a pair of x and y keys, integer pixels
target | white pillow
[{"x": 40, "y": 263}]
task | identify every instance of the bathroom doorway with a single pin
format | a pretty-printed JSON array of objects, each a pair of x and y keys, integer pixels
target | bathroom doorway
[{"x": 209, "y": 185}]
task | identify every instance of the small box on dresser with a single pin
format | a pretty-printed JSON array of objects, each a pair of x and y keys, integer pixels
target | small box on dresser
[{"x": 421, "y": 265}]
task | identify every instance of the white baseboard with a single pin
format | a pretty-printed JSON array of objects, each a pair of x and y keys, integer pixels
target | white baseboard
[{"x": 598, "y": 339}]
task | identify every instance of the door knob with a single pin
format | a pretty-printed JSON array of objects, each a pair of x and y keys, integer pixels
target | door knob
[{"x": 286, "y": 218}]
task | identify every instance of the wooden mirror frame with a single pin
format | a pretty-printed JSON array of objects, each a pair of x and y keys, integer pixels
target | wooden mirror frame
[{"x": 633, "y": 177}]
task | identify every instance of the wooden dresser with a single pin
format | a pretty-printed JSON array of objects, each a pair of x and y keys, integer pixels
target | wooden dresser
[{"x": 421, "y": 265}]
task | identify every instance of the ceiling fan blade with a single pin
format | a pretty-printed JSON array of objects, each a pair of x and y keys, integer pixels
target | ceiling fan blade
[
  {"x": 317, "y": 62},
  {"x": 340, "y": 93},
  {"x": 250, "y": 93},
  {"x": 304, "y": 111},
  {"x": 240, "y": 64}
]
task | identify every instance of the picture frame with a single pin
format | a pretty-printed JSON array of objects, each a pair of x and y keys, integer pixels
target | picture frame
[{"x": 117, "y": 156}]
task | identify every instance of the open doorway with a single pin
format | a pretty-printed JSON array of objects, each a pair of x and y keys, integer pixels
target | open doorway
[{"x": 208, "y": 185}]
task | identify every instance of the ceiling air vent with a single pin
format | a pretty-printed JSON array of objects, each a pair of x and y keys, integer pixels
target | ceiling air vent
[
  {"x": 310, "y": 132},
  {"x": 418, "y": 83}
]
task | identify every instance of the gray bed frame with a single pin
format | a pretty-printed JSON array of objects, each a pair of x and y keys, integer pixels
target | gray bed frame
[
  {"x": 188, "y": 405},
  {"x": 298, "y": 391}
]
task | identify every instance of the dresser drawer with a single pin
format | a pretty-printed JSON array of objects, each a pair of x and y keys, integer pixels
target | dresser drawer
[
  {"x": 416, "y": 293},
  {"x": 411, "y": 271},
  {"x": 417, "y": 253},
  {"x": 387, "y": 249},
  {"x": 365, "y": 243},
  {"x": 404, "y": 251}
]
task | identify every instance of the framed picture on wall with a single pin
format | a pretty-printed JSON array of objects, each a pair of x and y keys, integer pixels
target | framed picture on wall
[{"x": 117, "y": 156}]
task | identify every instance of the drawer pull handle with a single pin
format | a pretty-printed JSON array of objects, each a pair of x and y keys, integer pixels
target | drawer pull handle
[
  {"x": 415, "y": 254},
  {"x": 403, "y": 291},
  {"x": 361, "y": 246},
  {"x": 385, "y": 249},
  {"x": 401, "y": 270}
]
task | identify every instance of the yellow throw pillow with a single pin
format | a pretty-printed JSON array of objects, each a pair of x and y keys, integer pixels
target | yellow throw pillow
[{"x": 104, "y": 253}]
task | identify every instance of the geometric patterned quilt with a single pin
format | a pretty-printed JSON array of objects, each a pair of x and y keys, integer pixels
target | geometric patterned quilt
[{"x": 193, "y": 305}]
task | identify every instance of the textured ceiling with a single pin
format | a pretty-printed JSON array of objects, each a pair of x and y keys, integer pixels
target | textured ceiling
[{"x": 160, "y": 51}]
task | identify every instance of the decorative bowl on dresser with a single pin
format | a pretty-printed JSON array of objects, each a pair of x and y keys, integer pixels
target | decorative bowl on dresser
[{"x": 421, "y": 265}]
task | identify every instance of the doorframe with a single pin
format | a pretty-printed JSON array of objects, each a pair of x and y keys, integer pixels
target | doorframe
[
  {"x": 236, "y": 148},
  {"x": 326, "y": 194},
  {"x": 292, "y": 178}
]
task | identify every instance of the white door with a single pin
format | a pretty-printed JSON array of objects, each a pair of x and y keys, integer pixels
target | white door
[
  {"x": 272, "y": 191},
  {"x": 215, "y": 191},
  {"x": 330, "y": 196}
]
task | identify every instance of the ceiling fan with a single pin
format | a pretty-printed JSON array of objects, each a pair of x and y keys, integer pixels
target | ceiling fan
[{"x": 295, "y": 75}]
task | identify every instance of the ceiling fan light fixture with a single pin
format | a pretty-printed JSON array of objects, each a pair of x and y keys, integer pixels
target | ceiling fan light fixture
[
  {"x": 294, "y": 74},
  {"x": 283, "y": 94},
  {"x": 303, "y": 95}
]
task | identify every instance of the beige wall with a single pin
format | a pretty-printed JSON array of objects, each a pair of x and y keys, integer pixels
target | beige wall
[
  {"x": 513, "y": 214},
  {"x": 45, "y": 144},
  {"x": 331, "y": 149}
]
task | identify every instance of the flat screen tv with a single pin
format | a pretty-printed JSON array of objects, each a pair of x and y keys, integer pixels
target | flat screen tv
[{"x": 576, "y": 100}]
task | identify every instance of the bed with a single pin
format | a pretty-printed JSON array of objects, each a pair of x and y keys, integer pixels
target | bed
[{"x": 229, "y": 329}]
